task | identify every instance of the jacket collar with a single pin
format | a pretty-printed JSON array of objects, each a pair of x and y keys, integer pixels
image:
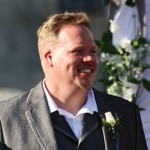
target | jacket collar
[
  {"x": 39, "y": 118},
  {"x": 103, "y": 102}
]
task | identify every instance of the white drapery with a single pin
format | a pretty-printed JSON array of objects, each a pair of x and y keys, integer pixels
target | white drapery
[
  {"x": 128, "y": 24},
  {"x": 143, "y": 99}
]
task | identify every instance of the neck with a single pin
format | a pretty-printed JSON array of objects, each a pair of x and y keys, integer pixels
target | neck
[{"x": 68, "y": 99}]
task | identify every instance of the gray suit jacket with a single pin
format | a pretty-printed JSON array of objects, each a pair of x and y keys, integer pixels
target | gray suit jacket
[{"x": 26, "y": 124}]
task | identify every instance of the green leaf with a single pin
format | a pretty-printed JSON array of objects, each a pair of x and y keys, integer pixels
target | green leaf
[
  {"x": 106, "y": 2},
  {"x": 138, "y": 42},
  {"x": 106, "y": 43},
  {"x": 107, "y": 82},
  {"x": 146, "y": 66},
  {"x": 142, "y": 40},
  {"x": 109, "y": 48},
  {"x": 98, "y": 43},
  {"x": 133, "y": 80},
  {"x": 146, "y": 84},
  {"x": 130, "y": 3},
  {"x": 107, "y": 37}
]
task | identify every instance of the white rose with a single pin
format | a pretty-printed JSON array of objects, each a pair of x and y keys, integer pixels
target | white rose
[
  {"x": 125, "y": 42},
  {"x": 109, "y": 117},
  {"x": 113, "y": 26}
]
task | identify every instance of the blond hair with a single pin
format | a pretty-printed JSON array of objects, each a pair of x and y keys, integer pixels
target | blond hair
[{"x": 50, "y": 29}]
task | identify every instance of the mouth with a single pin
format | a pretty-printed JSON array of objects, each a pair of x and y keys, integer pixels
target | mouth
[{"x": 85, "y": 71}]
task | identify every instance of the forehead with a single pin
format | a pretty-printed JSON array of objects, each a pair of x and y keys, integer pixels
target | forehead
[{"x": 75, "y": 33}]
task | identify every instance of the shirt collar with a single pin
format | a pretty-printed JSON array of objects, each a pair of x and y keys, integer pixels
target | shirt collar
[{"x": 89, "y": 107}]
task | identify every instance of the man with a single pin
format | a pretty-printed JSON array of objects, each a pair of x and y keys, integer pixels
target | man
[{"x": 63, "y": 112}]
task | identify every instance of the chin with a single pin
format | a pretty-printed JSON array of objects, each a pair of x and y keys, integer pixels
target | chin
[{"x": 86, "y": 86}]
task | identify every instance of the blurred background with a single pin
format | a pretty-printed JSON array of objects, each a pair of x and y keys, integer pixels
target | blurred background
[{"x": 20, "y": 67}]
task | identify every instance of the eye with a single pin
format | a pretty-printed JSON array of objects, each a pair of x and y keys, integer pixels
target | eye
[
  {"x": 78, "y": 51},
  {"x": 93, "y": 51}
]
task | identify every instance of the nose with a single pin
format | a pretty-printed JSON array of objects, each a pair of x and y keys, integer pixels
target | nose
[{"x": 90, "y": 58}]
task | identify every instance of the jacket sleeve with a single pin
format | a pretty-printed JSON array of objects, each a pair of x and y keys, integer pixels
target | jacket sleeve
[{"x": 141, "y": 142}]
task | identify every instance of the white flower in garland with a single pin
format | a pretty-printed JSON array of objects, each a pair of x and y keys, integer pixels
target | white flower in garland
[
  {"x": 113, "y": 26},
  {"x": 125, "y": 43}
]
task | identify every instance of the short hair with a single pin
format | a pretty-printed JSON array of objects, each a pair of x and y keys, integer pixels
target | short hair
[{"x": 50, "y": 29}]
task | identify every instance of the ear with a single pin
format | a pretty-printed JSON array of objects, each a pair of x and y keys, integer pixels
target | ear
[{"x": 48, "y": 57}]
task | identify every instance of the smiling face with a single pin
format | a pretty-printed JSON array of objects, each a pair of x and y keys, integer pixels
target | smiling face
[{"x": 74, "y": 60}]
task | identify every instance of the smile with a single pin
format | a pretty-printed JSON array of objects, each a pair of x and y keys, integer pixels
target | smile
[{"x": 85, "y": 70}]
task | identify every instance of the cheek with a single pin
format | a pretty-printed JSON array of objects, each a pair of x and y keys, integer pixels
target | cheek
[
  {"x": 72, "y": 69},
  {"x": 59, "y": 61}
]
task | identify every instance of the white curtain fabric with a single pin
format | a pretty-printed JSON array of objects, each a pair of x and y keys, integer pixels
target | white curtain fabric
[
  {"x": 143, "y": 99},
  {"x": 127, "y": 21},
  {"x": 147, "y": 11}
]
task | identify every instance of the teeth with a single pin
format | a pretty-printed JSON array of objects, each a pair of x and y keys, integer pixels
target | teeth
[{"x": 86, "y": 70}]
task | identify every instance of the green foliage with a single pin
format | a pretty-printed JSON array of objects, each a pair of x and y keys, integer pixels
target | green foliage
[
  {"x": 127, "y": 2},
  {"x": 107, "y": 82},
  {"x": 136, "y": 43},
  {"x": 123, "y": 67},
  {"x": 106, "y": 2},
  {"x": 106, "y": 43},
  {"x": 133, "y": 80},
  {"x": 146, "y": 84},
  {"x": 130, "y": 3}
]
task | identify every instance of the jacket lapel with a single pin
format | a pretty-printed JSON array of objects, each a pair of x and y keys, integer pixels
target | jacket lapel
[
  {"x": 39, "y": 119},
  {"x": 93, "y": 122},
  {"x": 90, "y": 123},
  {"x": 61, "y": 125},
  {"x": 106, "y": 105}
]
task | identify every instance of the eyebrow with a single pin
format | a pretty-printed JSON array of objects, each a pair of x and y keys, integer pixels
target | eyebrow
[{"x": 82, "y": 46}]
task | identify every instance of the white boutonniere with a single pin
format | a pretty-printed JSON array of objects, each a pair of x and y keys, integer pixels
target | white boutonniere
[{"x": 111, "y": 124}]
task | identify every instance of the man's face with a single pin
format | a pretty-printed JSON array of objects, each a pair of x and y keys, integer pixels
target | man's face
[{"x": 74, "y": 57}]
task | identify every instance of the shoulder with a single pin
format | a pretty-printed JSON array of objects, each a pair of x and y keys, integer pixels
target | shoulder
[
  {"x": 13, "y": 107},
  {"x": 112, "y": 100},
  {"x": 118, "y": 106},
  {"x": 13, "y": 102},
  {"x": 18, "y": 105}
]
